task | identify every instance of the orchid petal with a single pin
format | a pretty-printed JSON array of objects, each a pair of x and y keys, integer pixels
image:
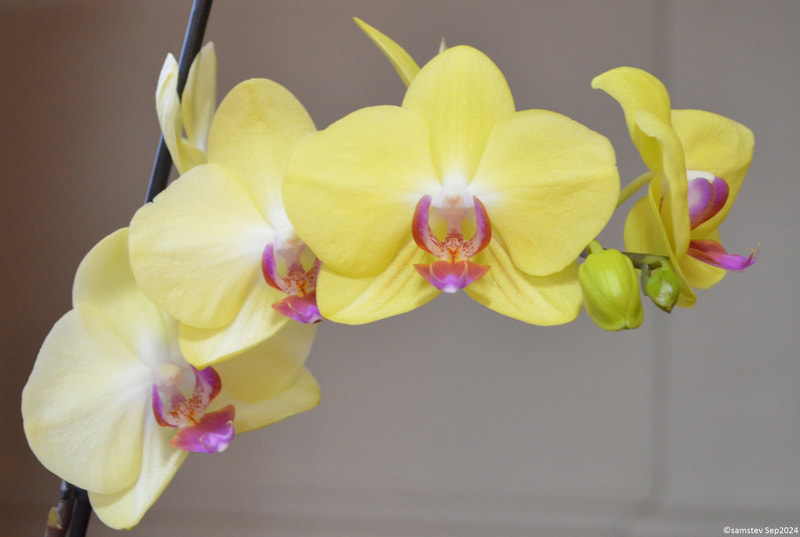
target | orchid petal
[
  {"x": 160, "y": 461},
  {"x": 461, "y": 94},
  {"x": 196, "y": 250},
  {"x": 104, "y": 281},
  {"x": 701, "y": 274},
  {"x": 255, "y": 321},
  {"x": 199, "y": 96},
  {"x": 396, "y": 290},
  {"x": 84, "y": 403},
  {"x": 717, "y": 145},
  {"x": 645, "y": 233},
  {"x": 402, "y": 62},
  {"x": 675, "y": 205},
  {"x": 268, "y": 382},
  {"x": 375, "y": 163},
  {"x": 549, "y": 185},
  {"x": 548, "y": 300},
  {"x": 252, "y": 135},
  {"x": 635, "y": 89}
]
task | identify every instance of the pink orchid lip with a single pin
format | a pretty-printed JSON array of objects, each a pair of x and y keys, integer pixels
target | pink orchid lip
[
  {"x": 198, "y": 430},
  {"x": 451, "y": 277},
  {"x": 712, "y": 252},
  {"x": 453, "y": 270},
  {"x": 300, "y": 284},
  {"x": 706, "y": 197}
]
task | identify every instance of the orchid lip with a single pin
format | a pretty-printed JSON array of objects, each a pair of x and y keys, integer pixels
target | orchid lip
[
  {"x": 198, "y": 430},
  {"x": 711, "y": 252},
  {"x": 298, "y": 282}
]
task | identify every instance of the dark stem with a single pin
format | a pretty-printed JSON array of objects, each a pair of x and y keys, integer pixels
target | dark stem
[
  {"x": 191, "y": 45},
  {"x": 80, "y": 513},
  {"x": 70, "y": 518}
]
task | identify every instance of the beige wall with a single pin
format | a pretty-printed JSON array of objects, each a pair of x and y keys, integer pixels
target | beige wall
[{"x": 450, "y": 420}]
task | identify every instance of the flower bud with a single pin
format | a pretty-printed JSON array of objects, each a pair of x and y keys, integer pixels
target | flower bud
[
  {"x": 662, "y": 286},
  {"x": 611, "y": 290}
]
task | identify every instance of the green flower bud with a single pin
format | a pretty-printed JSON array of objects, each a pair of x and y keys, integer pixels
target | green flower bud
[
  {"x": 662, "y": 286},
  {"x": 611, "y": 290}
]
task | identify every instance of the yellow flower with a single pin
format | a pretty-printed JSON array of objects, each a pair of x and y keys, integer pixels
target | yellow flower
[
  {"x": 452, "y": 190},
  {"x": 216, "y": 250},
  {"x": 192, "y": 113},
  {"x": 112, "y": 407},
  {"x": 697, "y": 162}
]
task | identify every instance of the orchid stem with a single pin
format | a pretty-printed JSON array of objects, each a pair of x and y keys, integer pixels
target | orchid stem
[
  {"x": 191, "y": 46},
  {"x": 70, "y": 518},
  {"x": 633, "y": 186},
  {"x": 80, "y": 513}
]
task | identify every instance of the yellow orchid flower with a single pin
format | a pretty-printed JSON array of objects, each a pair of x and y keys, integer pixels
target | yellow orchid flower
[
  {"x": 112, "y": 407},
  {"x": 216, "y": 250},
  {"x": 697, "y": 161},
  {"x": 191, "y": 113},
  {"x": 452, "y": 190}
]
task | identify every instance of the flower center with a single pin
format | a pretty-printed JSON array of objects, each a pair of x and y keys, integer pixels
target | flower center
[
  {"x": 297, "y": 281},
  {"x": 452, "y": 270},
  {"x": 198, "y": 430}
]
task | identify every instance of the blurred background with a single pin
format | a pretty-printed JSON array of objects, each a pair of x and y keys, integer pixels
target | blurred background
[{"x": 450, "y": 420}]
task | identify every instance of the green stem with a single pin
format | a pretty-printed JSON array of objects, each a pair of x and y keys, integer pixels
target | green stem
[
  {"x": 633, "y": 186},
  {"x": 594, "y": 247}
]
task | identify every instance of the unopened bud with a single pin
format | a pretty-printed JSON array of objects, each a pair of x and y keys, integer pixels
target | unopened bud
[
  {"x": 611, "y": 290},
  {"x": 662, "y": 286}
]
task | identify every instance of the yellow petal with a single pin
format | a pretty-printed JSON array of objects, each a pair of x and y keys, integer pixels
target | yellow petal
[
  {"x": 160, "y": 461},
  {"x": 352, "y": 188},
  {"x": 396, "y": 290},
  {"x": 636, "y": 90},
  {"x": 199, "y": 96},
  {"x": 675, "y": 205},
  {"x": 168, "y": 110},
  {"x": 718, "y": 145},
  {"x": 84, "y": 403},
  {"x": 548, "y": 300},
  {"x": 253, "y": 133},
  {"x": 462, "y": 95},
  {"x": 104, "y": 281},
  {"x": 255, "y": 321},
  {"x": 645, "y": 234},
  {"x": 269, "y": 383},
  {"x": 402, "y": 62},
  {"x": 549, "y": 185},
  {"x": 197, "y": 248}
]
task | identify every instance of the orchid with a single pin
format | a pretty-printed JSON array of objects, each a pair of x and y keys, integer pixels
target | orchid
[
  {"x": 192, "y": 112},
  {"x": 697, "y": 162},
  {"x": 216, "y": 250},
  {"x": 452, "y": 190},
  {"x": 112, "y": 406}
]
